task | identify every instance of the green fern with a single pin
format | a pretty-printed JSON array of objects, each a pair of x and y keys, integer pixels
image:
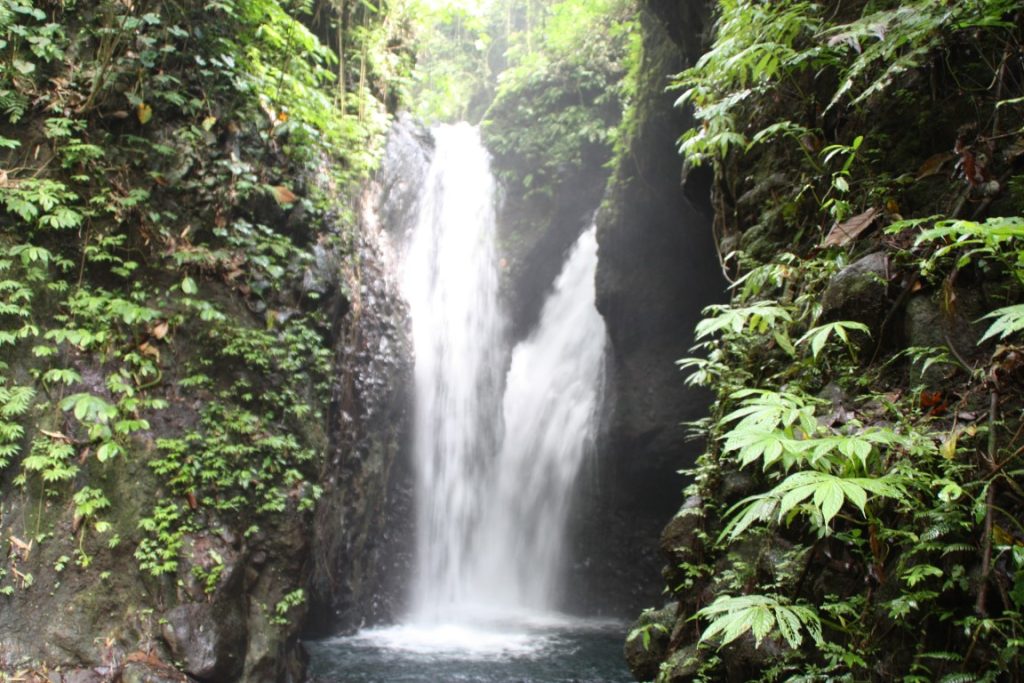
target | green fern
[
  {"x": 14, "y": 402},
  {"x": 759, "y": 317}
]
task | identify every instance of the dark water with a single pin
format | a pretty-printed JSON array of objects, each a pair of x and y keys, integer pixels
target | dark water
[{"x": 573, "y": 652}]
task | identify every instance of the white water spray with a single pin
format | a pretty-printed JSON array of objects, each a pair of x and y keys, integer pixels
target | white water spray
[
  {"x": 550, "y": 411},
  {"x": 494, "y": 473},
  {"x": 451, "y": 283}
]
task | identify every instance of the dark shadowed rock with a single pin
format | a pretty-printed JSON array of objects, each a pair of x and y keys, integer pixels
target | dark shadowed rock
[
  {"x": 858, "y": 292},
  {"x": 657, "y": 269},
  {"x": 209, "y": 639},
  {"x": 644, "y": 654},
  {"x": 928, "y": 321},
  {"x": 680, "y": 541},
  {"x": 735, "y": 484}
]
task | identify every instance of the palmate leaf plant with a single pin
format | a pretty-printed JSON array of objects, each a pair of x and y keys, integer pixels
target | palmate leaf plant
[
  {"x": 818, "y": 336},
  {"x": 830, "y": 482},
  {"x": 1008, "y": 320},
  {"x": 780, "y": 429},
  {"x": 762, "y": 615},
  {"x": 887, "y": 482},
  {"x": 825, "y": 478},
  {"x": 819, "y": 495}
]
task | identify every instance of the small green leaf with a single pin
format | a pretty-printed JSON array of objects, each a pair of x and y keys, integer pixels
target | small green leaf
[
  {"x": 24, "y": 67},
  {"x": 107, "y": 450}
]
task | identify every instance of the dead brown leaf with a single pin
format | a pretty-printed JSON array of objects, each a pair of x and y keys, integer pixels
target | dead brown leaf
[
  {"x": 159, "y": 330},
  {"x": 56, "y": 435},
  {"x": 843, "y": 233},
  {"x": 147, "y": 349},
  {"x": 933, "y": 164},
  {"x": 283, "y": 195},
  {"x": 24, "y": 549}
]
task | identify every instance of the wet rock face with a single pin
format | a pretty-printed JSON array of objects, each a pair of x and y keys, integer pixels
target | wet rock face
[
  {"x": 363, "y": 536},
  {"x": 657, "y": 270},
  {"x": 406, "y": 160},
  {"x": 679, "y": 541}
]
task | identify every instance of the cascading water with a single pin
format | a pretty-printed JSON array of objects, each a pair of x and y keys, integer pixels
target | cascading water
[
  {"x": 550, "y": 408},
  {"x": 451, "y": 283},
  {"x": 497, "y": 448},
  {"x": 494, "y": 475}
]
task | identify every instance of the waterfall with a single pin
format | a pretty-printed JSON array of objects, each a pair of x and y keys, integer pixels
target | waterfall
[
  {"x": 550, "y": 409},
  {"x": 451, "y": 283},
  {"x": 497, "y": 449}
]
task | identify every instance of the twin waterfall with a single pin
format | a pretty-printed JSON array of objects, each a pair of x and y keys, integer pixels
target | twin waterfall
[{"x": 500, "y": 435}]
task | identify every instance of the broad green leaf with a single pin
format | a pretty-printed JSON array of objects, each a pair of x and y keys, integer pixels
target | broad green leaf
[
  {"x": 1008, "y": 320},
  {"x": 107, "y": 450},
  {"x": 829, "y": 497}
]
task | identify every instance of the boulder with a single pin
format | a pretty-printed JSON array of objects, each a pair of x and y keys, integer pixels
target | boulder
[
  {"x": 679, "y": 541},
  {"x": 209, "y": 639},
  {"x": 929, "y": 321},
  {"x": 858, "y": 293},
  {"x": 681, "y": 666},
  {"x": 648, "y": 643}
]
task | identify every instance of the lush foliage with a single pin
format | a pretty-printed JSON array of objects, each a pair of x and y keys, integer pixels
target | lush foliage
[
  {"x": 546, "y": 76},
  {"x": 881, "y": 492},
  {"x": 165, "y": 169},
  {"x": 559, "y": 101},
  {"x": 455, "y": 61}
]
